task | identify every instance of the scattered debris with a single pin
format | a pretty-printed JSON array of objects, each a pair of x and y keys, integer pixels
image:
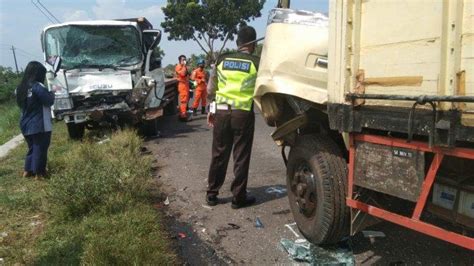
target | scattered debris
[
  {"x": 181, "y": 235},
  {"x": 35, "y": 223},
  {"x": 258, "y": 223},
  {"x": 276, "y": 190},
  {"x": 302, "y": 250},
  {"x": 287, "y": 211},
  {"x": 167, "y": 201},
  {"x": 234, "y": 226},
  {"x": 290, "y": 226},
  {"x": 206, "y": 207},
  {"x": 370, "y": 234},
  {"x": 203, "y": 230},
  {"x": 103, "y": 141},
  {"x": 183, "y": 189}
]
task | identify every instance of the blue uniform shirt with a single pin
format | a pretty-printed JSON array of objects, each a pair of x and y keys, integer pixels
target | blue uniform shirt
[{"x": 36, "y": 114}]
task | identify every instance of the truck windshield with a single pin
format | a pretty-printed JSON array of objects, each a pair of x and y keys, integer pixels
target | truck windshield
[{"x": 94, "y": 46}]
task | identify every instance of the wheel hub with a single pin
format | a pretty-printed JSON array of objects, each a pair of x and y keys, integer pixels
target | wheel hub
[{"x": 304, "y": 189}]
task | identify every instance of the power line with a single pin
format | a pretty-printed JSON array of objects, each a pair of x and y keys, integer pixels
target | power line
[
  {"x": 47, "y": 10},
  {"x": 25, "y": 52},
  {"x": 18, "y": 49},
  {"x": 41, "y": 10}
]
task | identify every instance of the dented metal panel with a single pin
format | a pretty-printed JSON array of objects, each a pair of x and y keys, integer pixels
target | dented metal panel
[{"x": 394, "y": 171}]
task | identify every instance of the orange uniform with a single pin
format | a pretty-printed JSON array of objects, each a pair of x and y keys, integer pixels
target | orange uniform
[
  {"x": 183, "y": 89},
  {"x": 200, "y": 76}
]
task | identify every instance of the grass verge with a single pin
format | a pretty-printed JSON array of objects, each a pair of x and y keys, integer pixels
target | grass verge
[
  {"x": 9, "y": 121},
  {"x": 96, "y": 208}
]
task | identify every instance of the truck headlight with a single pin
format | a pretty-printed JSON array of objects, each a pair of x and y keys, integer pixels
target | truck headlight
[{"x": 62, "y": 103}]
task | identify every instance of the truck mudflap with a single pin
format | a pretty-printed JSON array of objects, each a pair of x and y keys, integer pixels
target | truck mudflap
[{"x": 420, "y": 189}]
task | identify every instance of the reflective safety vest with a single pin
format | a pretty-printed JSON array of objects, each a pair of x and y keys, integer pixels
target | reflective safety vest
[{"x": 236, "y": 75}]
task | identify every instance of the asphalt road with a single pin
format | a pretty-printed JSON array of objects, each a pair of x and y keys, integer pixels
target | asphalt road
[{"x": 221, "y": 235}]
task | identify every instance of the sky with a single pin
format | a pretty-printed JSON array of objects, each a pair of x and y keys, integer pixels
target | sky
[{"x": 21, "y": 23}]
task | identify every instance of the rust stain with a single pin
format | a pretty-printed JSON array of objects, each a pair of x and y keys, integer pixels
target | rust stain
[
  {"x": 360, "y": 86},
  {"x": 415, "y": 81},
  {"x": 461, "y": 87}
]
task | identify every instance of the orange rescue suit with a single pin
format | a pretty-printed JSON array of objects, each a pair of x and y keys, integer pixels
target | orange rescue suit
[
  {"x": 183, "y": 88},
  {"x": 199, "y": 75}
]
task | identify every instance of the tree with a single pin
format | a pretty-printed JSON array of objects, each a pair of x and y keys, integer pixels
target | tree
[
  {"x": 206, "y": 21},
  {"x": 9, "y": 80}
]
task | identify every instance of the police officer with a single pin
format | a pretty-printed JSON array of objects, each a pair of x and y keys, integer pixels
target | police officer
[{"x": 232, "y": 87}]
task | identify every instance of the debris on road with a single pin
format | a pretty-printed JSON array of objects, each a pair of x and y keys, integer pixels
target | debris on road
[
  {"x": 206, "y": 207},
  {"x": 290, "y": 226},
  {"x": 303, "y": 251},
  {"x": 234, "y": 226},
  {"x": 287, "y": 211},
  {"x": 167, "y": 201},
  {"x": 258, "y": 223},
  {"x": 275, "y": 190},
  {"x": 181, "y": 235},
  {"x": 370, "y": 234},
  {"x": 183, "y": 189}
]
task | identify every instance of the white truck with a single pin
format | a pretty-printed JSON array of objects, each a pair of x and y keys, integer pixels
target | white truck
[
  {"x": 110, "y": 74},
  {"x": 376, "y": 102}
]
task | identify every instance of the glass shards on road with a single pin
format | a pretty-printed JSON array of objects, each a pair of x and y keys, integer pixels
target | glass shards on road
[{"x": 303, "y": 251}]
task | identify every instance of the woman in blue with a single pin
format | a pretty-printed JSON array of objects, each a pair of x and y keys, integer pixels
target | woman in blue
[{"x": 35, "y": 102}]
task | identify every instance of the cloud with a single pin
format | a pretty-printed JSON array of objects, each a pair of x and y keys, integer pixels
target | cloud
[
  {"x": 110, "y": 9},
  {"x": 75, "y": 15}
]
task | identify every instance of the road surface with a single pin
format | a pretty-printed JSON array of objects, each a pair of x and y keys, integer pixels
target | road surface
[{"x": 221, "y": 235}]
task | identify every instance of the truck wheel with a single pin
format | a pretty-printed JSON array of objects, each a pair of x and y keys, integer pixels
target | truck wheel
[
  {"x": 316, "y": 182},
  {"x": 76, "y": 131},
  {"x": 150, "y": 128},
  {"x": 172, "y": 107}
]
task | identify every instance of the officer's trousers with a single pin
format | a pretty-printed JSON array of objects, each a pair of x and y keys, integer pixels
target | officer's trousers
[{"x": 233, "y": 131}]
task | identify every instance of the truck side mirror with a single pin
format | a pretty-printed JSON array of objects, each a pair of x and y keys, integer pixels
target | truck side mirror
[
  {"x": 151, "y": 38},
  {"x": 55, "y": 63}
]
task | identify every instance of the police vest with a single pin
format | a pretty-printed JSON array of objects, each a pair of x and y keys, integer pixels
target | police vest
[{"x": 236, "y": 74}]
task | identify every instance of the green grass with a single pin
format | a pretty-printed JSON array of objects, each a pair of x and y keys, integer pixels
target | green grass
[
  {"x": 96, "y": 208},
  {"x": 9, "y": 121}
]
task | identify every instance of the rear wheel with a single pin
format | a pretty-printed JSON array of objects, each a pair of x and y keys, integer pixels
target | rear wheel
[
  {"x": 172, "y": 107},
  {"x": 150, "y": 128},
  {"x": 316, "y": 181},
  {"x": 75, "y": 131}
]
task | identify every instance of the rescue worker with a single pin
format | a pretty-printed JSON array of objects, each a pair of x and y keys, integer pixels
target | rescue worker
[
  {"x": 233, "y": 120},
  {"x": 182, "y": 76},
  {"x": 199, "y": 76}
]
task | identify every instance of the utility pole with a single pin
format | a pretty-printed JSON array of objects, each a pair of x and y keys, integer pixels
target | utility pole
[{"x": 14, "y": 57}]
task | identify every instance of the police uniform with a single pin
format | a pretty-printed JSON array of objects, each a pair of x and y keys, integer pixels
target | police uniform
[{"x": 234, "y": 121}]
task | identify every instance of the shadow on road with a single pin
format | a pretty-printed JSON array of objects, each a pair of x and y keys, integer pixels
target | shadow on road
[{"x": 263, "y": 194}]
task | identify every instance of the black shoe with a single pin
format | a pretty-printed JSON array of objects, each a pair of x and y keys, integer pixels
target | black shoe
[
  {"x": 203, "y": 110},
  {"x": 195, "y": 112},
  {"x": 249, "y": 200},
  {"x": 212, "y": 200}
]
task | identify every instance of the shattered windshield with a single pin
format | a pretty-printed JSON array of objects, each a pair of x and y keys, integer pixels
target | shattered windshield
[{"x": 94, "y": 46}]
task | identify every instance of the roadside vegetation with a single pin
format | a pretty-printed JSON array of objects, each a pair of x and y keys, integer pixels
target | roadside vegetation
[
  {"x": 9, "y": 121},
  {"x": 9, "y": 112},
  {"x": 96, "y": 207}
]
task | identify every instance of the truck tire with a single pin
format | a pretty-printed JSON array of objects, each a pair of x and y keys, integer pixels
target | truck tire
[
  {"x": 172, "y": 107},
  {"x": 150, "y": 128},
  {"x": 317, "y": 185},
  {"x": 76, "y": 131}
]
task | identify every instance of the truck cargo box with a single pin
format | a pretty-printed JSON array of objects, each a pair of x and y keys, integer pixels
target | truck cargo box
[{"x": 406, "y": 48}]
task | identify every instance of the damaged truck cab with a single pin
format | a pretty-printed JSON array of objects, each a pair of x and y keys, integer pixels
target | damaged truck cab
[
  {"x": 375, "y": 102},
  {"x": 110, "y": 74}
]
